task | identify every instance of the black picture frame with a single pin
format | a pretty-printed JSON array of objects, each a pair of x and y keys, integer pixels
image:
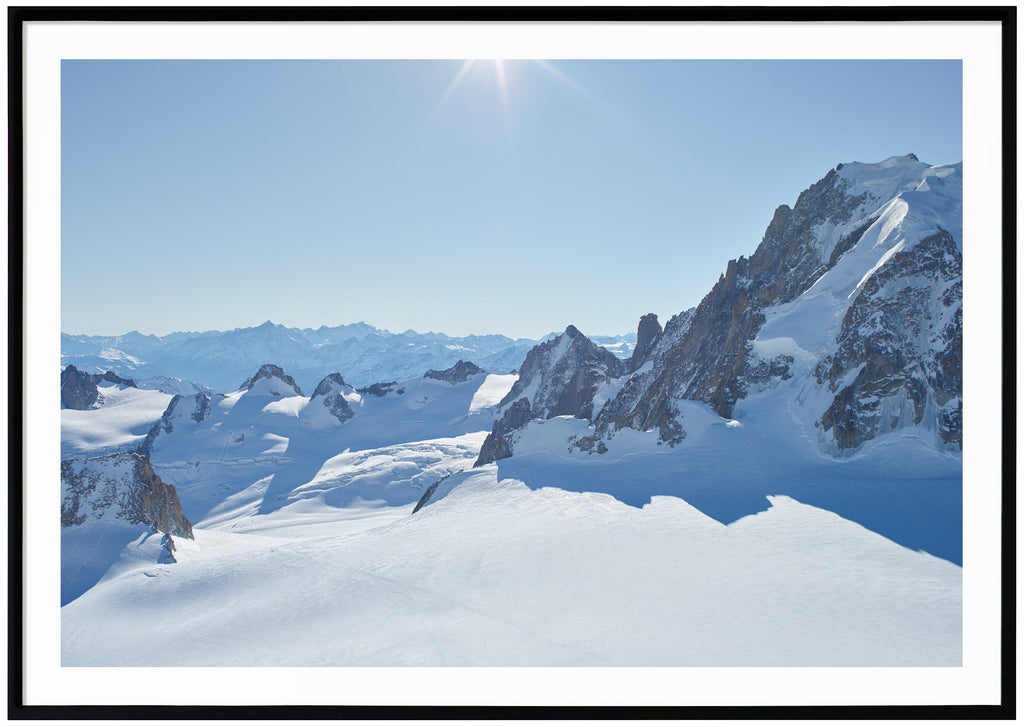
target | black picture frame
[{"x": 17, "y": 17}]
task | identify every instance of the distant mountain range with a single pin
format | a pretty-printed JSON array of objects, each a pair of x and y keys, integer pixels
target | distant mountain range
[{"x": 221, "y": 360}]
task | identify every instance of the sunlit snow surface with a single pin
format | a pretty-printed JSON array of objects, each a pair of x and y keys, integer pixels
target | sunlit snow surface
[
  {"x": 498, "y": 574},
  {"x": 492, "y": 391},
  {"x": 646, "y": 555},
  {"x": 121, "y": 421}
]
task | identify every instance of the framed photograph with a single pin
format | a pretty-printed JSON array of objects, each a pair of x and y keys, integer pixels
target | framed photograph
[{"x": 512, "y": 362}]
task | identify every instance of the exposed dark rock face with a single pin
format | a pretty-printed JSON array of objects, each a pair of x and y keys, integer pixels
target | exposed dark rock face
[
  {"x": 705, "y": 356},
  {"x": 461, "y": 371},
  {"x": 898, "y": 354},
  {"x": 169, "y": 547},
  {"x": 497, "y": 446},
  {"x": 902, "y": 342},
  {"x": 195, "y": 407},
  {"x": 201, "y": 411},
  {"x": 381, "y": 389},
  {"x": 113, "y": 378},
  {"x": 648, "y": 331},
  {"x": 77, "y": 389},
  {"x": 429, "y": 493},
  {"x": 849, "y": 240},
  {"x": 561, "y": 376},
  {"x": 270, "y": 371},
  {"x": 331, "y": 393},
  {"x": 120, "y": 486},
  {"x": 80, "y": 390},
  {"x": 330, "y": 383},
  {"x": 591, "y": 444}
]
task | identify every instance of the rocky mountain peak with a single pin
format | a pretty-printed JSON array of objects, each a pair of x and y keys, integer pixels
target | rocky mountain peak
[
  {"x": 332, "y": 394},
  {"x": 648, "y": 332},
  {"x": 80, "y": 390},
  {"x": 561, "y": 376},
  {"x": 183, "y": 407},
  {"x": 329, "y": 383},
  {"x": 77, "y": 389},
  {"x": 895, "y": 357},
  {"x": 272, "y": 372},
  {"x": 461, "y": 371},
  {"x": 112, "y": 378}
]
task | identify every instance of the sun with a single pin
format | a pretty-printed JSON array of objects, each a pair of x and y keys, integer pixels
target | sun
[
  {"x": 460, "y": 75},
  {"x": 500, "y": 66}
]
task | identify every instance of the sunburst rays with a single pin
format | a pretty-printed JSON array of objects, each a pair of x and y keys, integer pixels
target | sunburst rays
[{"x": 501, "y": 76}]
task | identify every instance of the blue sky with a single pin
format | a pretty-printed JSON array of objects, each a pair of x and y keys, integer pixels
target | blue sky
[{"x": 509, "y": 198}]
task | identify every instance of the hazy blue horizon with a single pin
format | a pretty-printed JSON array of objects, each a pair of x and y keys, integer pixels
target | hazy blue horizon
[
  {"x": 164, "y": 334},
  {"x": 511, "y": 198}
]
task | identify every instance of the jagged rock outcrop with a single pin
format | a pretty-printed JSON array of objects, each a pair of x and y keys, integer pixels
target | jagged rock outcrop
[
  {"x": 112, "y": 378},
  {"x": 121, "y": 486},
  {"x": 850, "y": 244},
  {"x": 497, "y": 446},
  {"x": 77, "y": 389},
  {"x": 648, "y": 331},
  {"x": 273, "y": 374},
  {"x": 381, "y": 389},
  {"x": 461, "y": 371},
  {"x": 80, "y": 390},
  {"x": 332, "y": 396},
  {"x": 167, "y": 556},
  {"x": 195, "y": 408},
  {"x": 901, "y": 341},
  {"x": 561, "y": 376},
  {"x": 708, "y": 363}
]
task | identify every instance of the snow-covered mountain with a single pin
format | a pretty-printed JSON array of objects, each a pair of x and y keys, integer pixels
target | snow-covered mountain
[
  {"x": 560, "y": 377},
  {"x": 256, "y": 449},
  {"x": 772, "y": 478},
  {"x": 219, "y": 360},
  {"x": 852, "y": 302}
]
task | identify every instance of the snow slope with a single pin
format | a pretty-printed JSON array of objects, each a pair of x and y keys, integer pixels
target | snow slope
[
  {"x": 497, "y": 574},
  {"x": 254, "y": 450},
  {"x": 742, "y": 545},
  {"x": 122, "y": 420}
]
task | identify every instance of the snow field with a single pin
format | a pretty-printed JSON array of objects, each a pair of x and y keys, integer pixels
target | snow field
[
  {"x": 497, "y": 574},
  {"x": 121, "y": 422},
  {"x": 492, "y": 391}
]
